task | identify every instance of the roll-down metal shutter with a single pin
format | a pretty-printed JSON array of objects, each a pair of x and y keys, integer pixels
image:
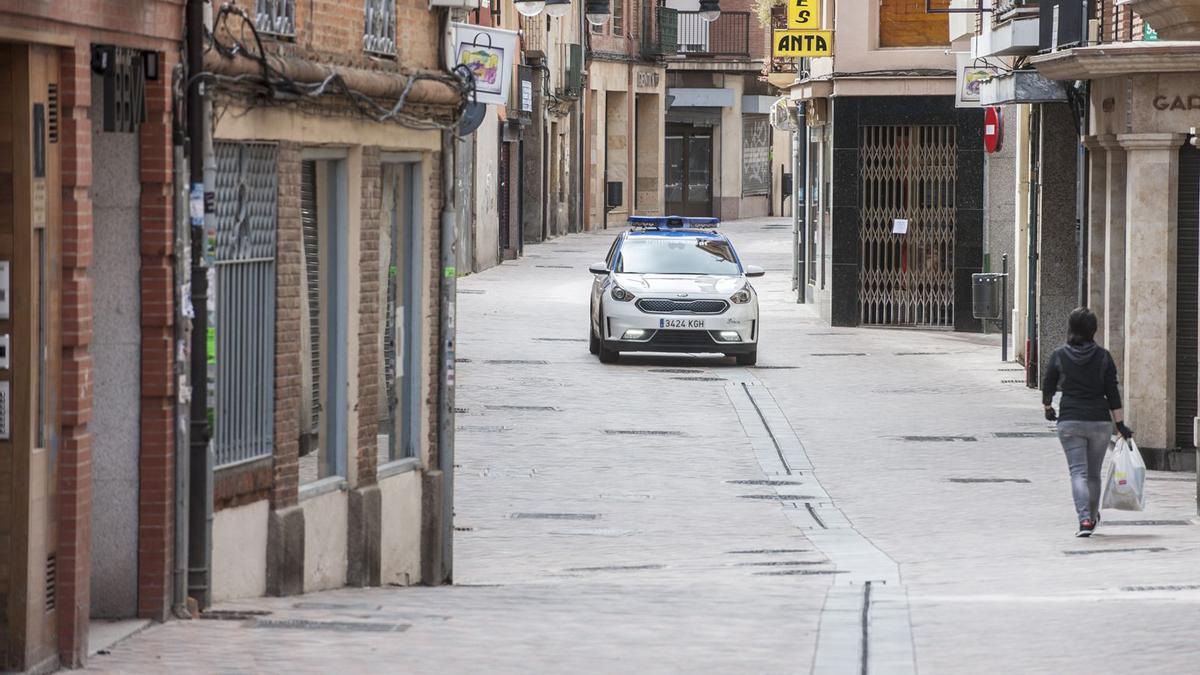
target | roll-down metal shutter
[{"x": 1187, "y": 331}]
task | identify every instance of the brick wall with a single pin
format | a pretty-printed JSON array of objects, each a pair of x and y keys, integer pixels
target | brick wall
[
  {"x": 288, "y": 284},
  {"x": 905, "y": 23},
  {"x": 331, "y": 31},
  {"x": 369, "y": 319},
  {"x": 156, "y": 460},
  {"x": 433, "y": 263},
  {"x": 75, "y": 403}
]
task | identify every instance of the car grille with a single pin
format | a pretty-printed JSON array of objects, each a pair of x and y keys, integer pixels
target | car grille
[
  {"x": 682, "y": 338},
  {"x": 667, "y": 306}
]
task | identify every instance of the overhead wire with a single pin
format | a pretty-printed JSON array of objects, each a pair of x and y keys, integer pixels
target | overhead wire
[{"x": 280, "y": 85}]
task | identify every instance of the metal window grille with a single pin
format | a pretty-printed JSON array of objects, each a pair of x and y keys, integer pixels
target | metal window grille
[
  {"x": 380, "y": 34},
  {"x": 244, "y": 372},
  {"x": 275, "y": 17},
  {"x": 756, "y": 155},
  {"x": 908, "y": 174}
]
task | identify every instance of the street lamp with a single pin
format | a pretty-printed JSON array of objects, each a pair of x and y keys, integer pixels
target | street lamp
[
  {"x": 529, "y": 7},
  {"x": 597, "y": 12},
  {"x": 710, "y": 10},
  {"x": 558, "y": 8}
]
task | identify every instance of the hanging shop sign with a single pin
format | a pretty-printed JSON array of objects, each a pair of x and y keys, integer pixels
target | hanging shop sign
[
  {"x": 993, "y": 129},
  {"x": 803, "y": 14},
  {"x": 489, "y": 53},
  {"x": 801, "y": 43},
  {"x": 972, "y": 73}
]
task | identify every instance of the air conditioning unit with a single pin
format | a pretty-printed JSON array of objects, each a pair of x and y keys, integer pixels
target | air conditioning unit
[{"x": 1062, "y": 23}]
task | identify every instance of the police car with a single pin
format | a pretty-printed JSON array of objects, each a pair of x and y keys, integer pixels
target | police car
[{"x": 673, "y": 284}]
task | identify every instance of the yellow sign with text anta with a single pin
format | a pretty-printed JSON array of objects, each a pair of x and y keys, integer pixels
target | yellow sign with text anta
[
  {"x": 801, "y": 43},
  {"x": 804, "y": 14}
]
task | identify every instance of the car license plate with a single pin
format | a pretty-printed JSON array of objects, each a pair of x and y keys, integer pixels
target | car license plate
[{"x": 681, "y": 323}]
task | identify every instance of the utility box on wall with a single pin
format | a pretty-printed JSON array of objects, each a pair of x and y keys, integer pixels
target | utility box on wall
[{"x": 613, "y": 193}]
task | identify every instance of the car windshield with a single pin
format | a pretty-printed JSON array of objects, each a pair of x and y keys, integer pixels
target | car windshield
[{"x": 676, "y": 255}]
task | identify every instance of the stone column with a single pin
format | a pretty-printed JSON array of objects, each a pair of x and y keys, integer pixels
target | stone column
[
  {"x": 1114, "y": 248},
  {"x": 1097, "y": 208},
  {"x": 1150, "y": 285}
]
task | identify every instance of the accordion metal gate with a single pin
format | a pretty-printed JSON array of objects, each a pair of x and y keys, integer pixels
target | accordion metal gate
[{"x": 907, "y": 225}]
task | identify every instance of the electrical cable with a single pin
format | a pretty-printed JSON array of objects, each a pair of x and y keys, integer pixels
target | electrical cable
[{"x": 279, "y": 85}]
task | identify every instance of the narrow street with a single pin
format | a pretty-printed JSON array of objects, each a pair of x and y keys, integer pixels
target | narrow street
[{"x": 862, "y": 501}]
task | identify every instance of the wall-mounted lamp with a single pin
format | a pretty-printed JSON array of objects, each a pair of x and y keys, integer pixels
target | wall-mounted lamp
[
  {"x": 597, "y": 12},
  {"x": 710, "y": 10},
  {"x": 529, "y": 7},
  {"x": 558, "y": 8}
]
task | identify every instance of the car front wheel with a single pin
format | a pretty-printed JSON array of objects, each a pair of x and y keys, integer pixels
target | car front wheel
[
  {"x": 747, "y": 359},
  {"x": 606, "y": 355},
  {"x": 593, "y": 339}
]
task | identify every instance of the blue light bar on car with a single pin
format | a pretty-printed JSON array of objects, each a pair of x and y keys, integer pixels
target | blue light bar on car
[{"x": 672, "y": 222}]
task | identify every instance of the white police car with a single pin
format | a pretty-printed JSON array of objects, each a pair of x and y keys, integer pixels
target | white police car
[{"x": 673, "y": 284}]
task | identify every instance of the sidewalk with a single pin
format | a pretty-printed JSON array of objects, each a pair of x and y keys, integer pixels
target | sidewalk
[{"x": 682, "y": 514}]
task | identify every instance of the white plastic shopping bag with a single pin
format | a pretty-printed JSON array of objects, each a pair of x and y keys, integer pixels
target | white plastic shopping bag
[{"x": 1124, "y": 478}]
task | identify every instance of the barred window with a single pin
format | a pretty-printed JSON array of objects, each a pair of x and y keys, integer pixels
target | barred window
[
  {"x": 380, "y": 34},
  {"x": 275, "y": 17}
]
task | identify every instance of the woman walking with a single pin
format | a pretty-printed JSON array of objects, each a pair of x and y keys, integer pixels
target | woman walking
[{"x": 1088, "y": 411}]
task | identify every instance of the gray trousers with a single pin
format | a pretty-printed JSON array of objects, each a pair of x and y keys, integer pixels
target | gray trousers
[{"x": 1085, "y": 444}]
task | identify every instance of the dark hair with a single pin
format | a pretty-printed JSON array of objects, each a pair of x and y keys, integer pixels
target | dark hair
[{"x": 1081, "y": 326}]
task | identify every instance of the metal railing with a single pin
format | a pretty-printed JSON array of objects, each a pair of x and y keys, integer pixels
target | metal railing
[{"x": 729, "y": 35}]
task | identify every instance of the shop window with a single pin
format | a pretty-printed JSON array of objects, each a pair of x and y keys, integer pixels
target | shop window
[
  {"x": 323, "y": 320},
  {"x": 401, "y": 275},
  {"x": 905, "y": 23}
]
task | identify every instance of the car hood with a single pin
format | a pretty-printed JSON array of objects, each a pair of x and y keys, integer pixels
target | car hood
[{"x": 695, "y": 285}]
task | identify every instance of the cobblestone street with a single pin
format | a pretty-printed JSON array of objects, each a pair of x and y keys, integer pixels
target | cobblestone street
[{"x": 861, "y": 501}]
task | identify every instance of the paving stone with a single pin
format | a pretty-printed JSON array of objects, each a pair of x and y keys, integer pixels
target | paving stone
[{"x": 966, "y": 577}]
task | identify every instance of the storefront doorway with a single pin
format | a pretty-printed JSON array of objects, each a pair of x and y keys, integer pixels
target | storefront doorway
[
  {"x": 1187, "y": 326},
  {"x": 688, "y": 180}
]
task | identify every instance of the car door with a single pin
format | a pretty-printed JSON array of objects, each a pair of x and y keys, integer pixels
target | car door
[{"x": 599, "y": 283}]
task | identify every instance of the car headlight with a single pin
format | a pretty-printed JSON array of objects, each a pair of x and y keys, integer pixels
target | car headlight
[
  {"x": 741, "y": 297},
  {"x": 620, "y": 294}
]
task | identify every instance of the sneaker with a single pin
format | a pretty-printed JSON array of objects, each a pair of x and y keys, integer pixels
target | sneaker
[{"x": 1085, "y": 528}]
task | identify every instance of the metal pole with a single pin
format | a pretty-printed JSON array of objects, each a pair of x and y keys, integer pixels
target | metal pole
[
  {"x": 808, "y": 233},
  {"x": 199, "y": 116},
  {"x": 1004, "y": 307},
  {"x": 795, "y": 217},
  {"x": 1031, "y": 330}
]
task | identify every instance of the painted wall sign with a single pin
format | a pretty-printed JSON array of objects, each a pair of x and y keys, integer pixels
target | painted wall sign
[
  {"x": 648, "y": 79},
  {"x": 1190, "y": 102},
  {"x": 801, "y": 43},
  {"x": 803, "y": 14}
]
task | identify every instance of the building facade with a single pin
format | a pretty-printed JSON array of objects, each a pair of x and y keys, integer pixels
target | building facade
[
  {"x": 526, "y": 157},
  {"x": 88, "y": 323},
  {"x": 893, "y": 228},
  {"x": 624, "y": 102},
  {"x": 323, "y": 261}
]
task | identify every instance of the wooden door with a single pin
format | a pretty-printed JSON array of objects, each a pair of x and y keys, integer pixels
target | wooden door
[{"x": 30, "y": 215}]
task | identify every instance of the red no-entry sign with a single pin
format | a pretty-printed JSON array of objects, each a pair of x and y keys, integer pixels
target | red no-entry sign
[{"x": 993, "y": 129}]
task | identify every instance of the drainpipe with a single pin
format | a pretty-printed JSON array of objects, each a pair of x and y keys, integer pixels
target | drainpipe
[
  {"x": 179, "y": 572},
  {"x": 1031, "y": 327},
  {"x": 200, "y": 164},
  {"x": 808, "y": 229},
  {"x": 1081, "y": 196}
]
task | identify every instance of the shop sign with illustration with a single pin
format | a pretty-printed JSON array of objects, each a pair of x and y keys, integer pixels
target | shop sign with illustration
[{"x": 489, "y": 53}]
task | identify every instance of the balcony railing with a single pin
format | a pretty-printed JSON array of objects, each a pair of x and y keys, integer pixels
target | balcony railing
[{"x": 729, "y": 35}]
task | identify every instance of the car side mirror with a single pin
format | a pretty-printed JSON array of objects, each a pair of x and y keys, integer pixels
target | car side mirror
[
  {"x": 754, "y": 271},
  {"x": 598, "y": 268}
]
